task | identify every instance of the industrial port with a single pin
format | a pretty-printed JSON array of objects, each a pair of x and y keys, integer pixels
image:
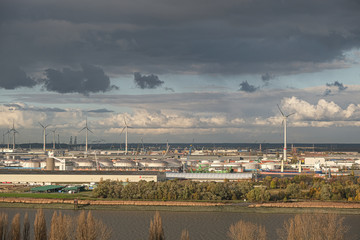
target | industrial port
[{"x": 161, "y": 162}]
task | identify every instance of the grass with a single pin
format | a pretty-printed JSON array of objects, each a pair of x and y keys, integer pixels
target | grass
[{"x": 82, "y": 195}]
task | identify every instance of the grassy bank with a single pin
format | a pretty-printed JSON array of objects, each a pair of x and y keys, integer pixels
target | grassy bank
[{"x": 225, "y": 208}]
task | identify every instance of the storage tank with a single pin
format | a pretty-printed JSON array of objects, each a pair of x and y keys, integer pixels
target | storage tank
[
  {"x": 105, "y": 163},
  {"x": 30, "y": 164},
  {"x": 50, "y": 164},
  {"x": 173, "y": 162},
  {"x": 124, "y": 163},
  {"x": 84, "y": 163},
  {"x": 156, "y": 164}
]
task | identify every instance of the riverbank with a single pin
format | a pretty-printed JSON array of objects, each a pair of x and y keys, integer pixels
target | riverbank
[{"x": 280, "y": 207}]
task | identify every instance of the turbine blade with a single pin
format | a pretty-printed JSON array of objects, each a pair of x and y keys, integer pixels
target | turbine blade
[
  {"x": 90, "y": 130},
  {"x": 290, "y": 114},
  {"x": 41, "y": 125},
  {"x": 82, "y": 129},
  {"x": 122, "y": 130},
  {"x": 280, "y": 110}
]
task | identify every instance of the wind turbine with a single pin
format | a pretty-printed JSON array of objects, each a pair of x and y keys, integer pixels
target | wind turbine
[
  {"x": 86, "y": 135},
  {"x": 13, "y": 130},
  {"x": 285, "y": 144},
  {"x": 54, "y": 138},
  {"x": 126, "y": 136},
  {"x": 44, "y": 135}
]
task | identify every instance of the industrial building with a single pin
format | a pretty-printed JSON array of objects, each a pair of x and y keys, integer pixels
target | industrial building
[{"x": 38, "y": 177}]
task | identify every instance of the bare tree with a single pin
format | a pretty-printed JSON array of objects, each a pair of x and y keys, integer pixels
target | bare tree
[
  {"x": 185, "y": 235},
  {"x": 156, "y": 231},
  {"x": 40, "y": 232},
  {"x": 314, "y": 227},
  {"x": 26, "y": 228},
  {"x": 15, "y": 228},
  {"x": 89, "y": 228},
  {"x": 243, "y": 230},
  {"x": 4, "y": 226},
  {"x": 61, "y": 227}
]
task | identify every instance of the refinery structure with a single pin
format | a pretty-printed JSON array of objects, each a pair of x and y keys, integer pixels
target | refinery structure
[{"x": 85, "y": 163}]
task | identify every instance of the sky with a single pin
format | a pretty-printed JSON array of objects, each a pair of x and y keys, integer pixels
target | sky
[{"x": 184, "y": 71}]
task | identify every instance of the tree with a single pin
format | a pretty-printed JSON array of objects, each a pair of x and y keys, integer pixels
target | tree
[
  {"x": 26, "y": 228},
  {"x": 185, "y": 235},
  {"x": 156, "y": 231},
  {"x": 243, "y": 230},
  {"x": 15, "y": 228},
  {"x": 308, "y": 226},
  {"x": 40, "y": 226}
]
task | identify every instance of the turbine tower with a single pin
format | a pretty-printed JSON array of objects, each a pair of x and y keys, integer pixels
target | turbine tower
[
  {"x": 126, "y": 136},
  {"x": 86, "y": 135},
  {"x": 54, "y": 138},
  {"x": 285, "y": 144},
  {"x": 44, "y": 135},
  {"x": 13, "y": 130}
]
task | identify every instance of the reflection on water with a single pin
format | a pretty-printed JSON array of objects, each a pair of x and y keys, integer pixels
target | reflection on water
[{"x": 201, "y": 225}]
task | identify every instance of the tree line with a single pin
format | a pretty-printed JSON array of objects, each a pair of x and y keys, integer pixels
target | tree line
[{"x": 269, "y": 189}]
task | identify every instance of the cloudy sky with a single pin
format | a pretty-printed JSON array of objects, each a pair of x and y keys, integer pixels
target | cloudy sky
[{"x": 212, "y": 71}]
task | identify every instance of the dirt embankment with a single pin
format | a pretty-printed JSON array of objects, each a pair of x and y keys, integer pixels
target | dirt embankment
[
  {"x": 104, "y": 202},
  {"x": 344, "y": 205}
]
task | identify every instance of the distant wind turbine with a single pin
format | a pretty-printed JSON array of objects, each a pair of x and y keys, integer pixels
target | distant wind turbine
[
  {"x": 54, "y": 138},
  {"x": 13, "y": 130},
  {"x": 285, "y": 144},
  {"x": 44, "y": 135},
  {"x": 86, "y": 136},
  {"x": 126, "y": 136}
]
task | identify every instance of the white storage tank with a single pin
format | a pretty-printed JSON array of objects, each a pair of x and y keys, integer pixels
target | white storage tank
[
  {"x": 30, "y": 164},
  {"x": 106, "y": 163},
  {"x": 84, "y": 163},
  {"x": 124, "y": 163}
]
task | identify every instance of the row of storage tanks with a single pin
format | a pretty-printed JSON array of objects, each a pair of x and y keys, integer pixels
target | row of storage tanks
[{"x": 143, "y": 163}]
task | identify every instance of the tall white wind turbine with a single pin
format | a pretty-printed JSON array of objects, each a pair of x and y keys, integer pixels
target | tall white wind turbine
[
  {"x": 126, "y": 136},
  {"x": 13, "y": 130},
  {"x": 285, "y": 143},
  {"x": 44, "y": 135},
  {"x": 54, "y": 138},
  {"x": 86, "y": 136}
]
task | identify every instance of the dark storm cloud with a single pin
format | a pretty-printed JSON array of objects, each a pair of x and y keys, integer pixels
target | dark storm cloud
[
  {"x": 147, "y": 82},
  {"x": 267, "y": 77},
  {"x": 337, "y": 84},
  {"x": 12, "y": 77},
  {"x": 90, "y": 79},
  {"x": 232, "y": 37},
  {"x": 327, "y": 92},
  {"x": 246, "y": 87},
  {"x": 102, "y": 110}
]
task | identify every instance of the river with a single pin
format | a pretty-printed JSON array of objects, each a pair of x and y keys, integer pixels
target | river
[{"x": 201, "y": 225}]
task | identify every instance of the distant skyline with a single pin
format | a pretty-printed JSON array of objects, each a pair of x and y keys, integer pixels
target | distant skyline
[{"x": 212, "y": 71}]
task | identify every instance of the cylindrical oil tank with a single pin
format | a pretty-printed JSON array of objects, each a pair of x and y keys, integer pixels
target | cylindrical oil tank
[
  {"x": 105, "y": 163},
  {"x": 84, "y": 163},
  {"x": 124, "y": 163},
  {"x": 30, "y": 164},
  {"x": 50, "y": 164},
  {"x": 268, "y": 166},
  {"x": 156, "y": 164},
  {"x": 173, "y": 162}
]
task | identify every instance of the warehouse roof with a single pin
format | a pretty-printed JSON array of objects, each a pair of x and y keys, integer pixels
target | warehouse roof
[{"x": 47, "y": 188}]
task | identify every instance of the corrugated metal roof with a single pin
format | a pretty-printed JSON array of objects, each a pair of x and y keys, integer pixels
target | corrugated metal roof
[
  {"x": 214, "y": 176},
  {"x": 46, "y": 188}
]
